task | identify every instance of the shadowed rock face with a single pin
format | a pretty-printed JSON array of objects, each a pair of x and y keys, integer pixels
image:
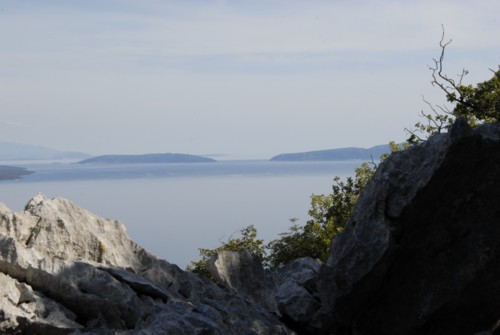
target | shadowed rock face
[
  {"x": 64, "y": 269},
  {"x": 421, "y": 253}
]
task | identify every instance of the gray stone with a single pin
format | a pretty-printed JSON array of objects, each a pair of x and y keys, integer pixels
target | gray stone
[
  {"x": 420, "y": 252},
  {"x": 290, "y": 292},
  {"x": 243, "y": 272},
  {"x": 67, "y": 270},
  {"x": 296, "y": 302},
  {"x": 19, "y": 304},
  {"x": 297, "y": 295}
]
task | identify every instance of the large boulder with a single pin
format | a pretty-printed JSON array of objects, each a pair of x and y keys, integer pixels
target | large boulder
[
  {"x": 421, "y": 252},
  {"x": 289, "y": 292},
  {"x": 65, "y": 270},
  {"x": 297, "y": 295},
  {"x": 243, "y": 272}
]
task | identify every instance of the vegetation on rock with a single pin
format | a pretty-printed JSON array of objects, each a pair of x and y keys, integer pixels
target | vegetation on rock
[
  {"x": 248, "y": 240},
  {"x": 329, "y": 214},
  {"x": 477, "y": 104}
]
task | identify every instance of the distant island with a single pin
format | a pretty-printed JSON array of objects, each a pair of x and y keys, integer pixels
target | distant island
[
  {"x": 340, "y": 154},
  {"x": 147, "y": 158},
  {"x": 12, "y": 172},
  {"x": 10, "y": 151}
]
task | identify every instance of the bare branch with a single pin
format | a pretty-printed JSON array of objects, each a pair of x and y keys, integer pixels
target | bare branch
[
  {"x": 372, "y": 162},
  {"x": 449, "y": 86},
  {"x": 496, "y": 73},
  {"x": 462, "y": 75},
  {"x": 430, "y": 106}
]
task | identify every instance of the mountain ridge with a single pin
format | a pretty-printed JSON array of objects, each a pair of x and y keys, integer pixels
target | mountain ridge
[{"x": 10, "y": 151}]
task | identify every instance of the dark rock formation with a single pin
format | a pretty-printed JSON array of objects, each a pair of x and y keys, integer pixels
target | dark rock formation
[
  {"x": 297, "y": 295},
  {"x": 244, "y": 273},
  {"x": 290, "y": 293},
  {"x": 421, "y": 253}
]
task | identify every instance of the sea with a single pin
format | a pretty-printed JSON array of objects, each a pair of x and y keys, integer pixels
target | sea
[{"x": 173, "y": 209}]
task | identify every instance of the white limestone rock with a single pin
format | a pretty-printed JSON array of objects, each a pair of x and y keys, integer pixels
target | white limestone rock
[
  {"x": 68, "y": 270},
  {"x": 19, "y": 304}
]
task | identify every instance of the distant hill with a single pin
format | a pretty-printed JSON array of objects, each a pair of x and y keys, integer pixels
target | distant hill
[
  {"x": 147, "y": 158},
  {"x": 340, "y": 154},
  {"x": 18, "y": 151}
]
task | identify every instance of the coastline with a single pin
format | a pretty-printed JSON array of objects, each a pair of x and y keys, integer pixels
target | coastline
[{"x": 13, "y": 172}]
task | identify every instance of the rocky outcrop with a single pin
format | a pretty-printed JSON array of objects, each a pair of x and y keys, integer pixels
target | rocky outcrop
[
  {"x": 421, "y": 253},
  {"x": 64, "y": 270},
  {"x": 290, "y": 292},
  {"x": 244, "y": 273},
  {"x": 297, "y": 295}
]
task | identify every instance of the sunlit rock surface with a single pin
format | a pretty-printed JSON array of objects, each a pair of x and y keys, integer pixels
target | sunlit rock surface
[{"x": 65, "y": 270}]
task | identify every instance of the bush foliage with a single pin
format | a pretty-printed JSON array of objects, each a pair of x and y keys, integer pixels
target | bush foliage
[{"x": 248, "y": 240}]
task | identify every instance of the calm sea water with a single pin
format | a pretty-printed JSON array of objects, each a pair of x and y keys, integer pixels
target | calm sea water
[{"x": 174, "y": 209}]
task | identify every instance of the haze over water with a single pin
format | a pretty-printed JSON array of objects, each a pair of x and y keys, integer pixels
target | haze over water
[{"x": 174, "y": 209}]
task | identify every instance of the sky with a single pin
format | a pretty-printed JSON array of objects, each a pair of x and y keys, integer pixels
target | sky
[{"x": 244, "y": 78}]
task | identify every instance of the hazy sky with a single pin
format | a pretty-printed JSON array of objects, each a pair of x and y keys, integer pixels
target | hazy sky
[{"x": 252, "y": 78}]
